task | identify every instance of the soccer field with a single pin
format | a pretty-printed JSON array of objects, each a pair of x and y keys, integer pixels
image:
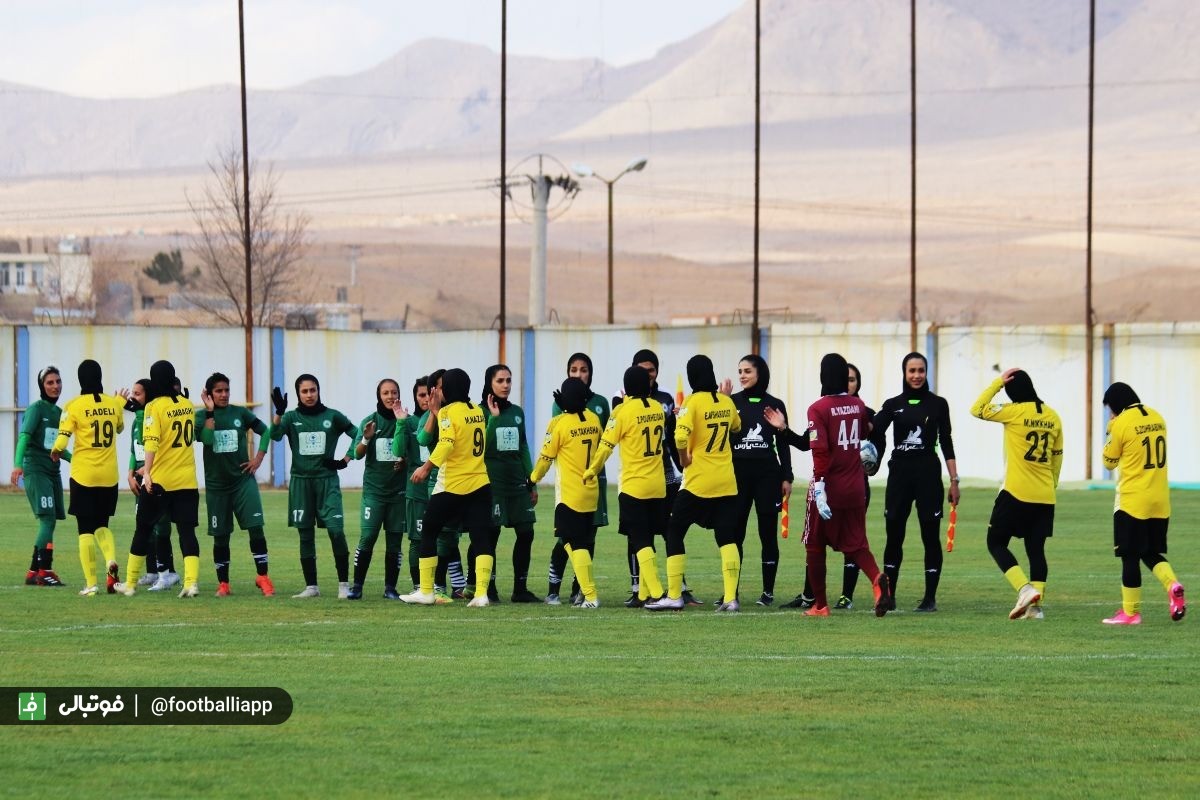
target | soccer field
[{"x": 538, "y": 701}]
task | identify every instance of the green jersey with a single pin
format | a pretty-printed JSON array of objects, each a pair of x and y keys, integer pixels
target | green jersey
[
  {"x": 428, "y": 441},
  {"x": 312, "y": 438},
  {"x": 406, "y": 446},
  {"x": 41, "y": 426},
  {"x": 381, "y": 479},
  {"x": 137, "y": 444},
  {"x": 225, "y": 446},
  {"x": 507, "y": 451}
]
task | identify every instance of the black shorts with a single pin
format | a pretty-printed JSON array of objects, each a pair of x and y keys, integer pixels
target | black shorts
[
  {"x": 1016, "y": 518},
  {"x": 180, "y": 507},
  {"x": 573, "y": 527},
  {"x": 1138, "y": 537},
  {"x": 914, "y": 481},
  {"x": 642, "y": 518},
  {"x": 92, "y": 502},
  {"x": 714, "y": 513},
  {"x": 469, "y": 512}
]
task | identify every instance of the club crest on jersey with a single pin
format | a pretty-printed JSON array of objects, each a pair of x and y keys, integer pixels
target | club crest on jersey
[
  {"x": 446, "y": 423},
  {"x": 518, "y": 420},
  {"x": 326, "y": 424},
  {"x": 237, "y": 423}
]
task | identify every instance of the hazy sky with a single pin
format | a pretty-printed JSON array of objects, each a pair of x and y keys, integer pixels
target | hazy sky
[{"x": 148, "y": 47}]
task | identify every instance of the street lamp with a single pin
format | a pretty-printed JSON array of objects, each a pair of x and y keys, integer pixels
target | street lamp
[{"x": 584, "y": 171}]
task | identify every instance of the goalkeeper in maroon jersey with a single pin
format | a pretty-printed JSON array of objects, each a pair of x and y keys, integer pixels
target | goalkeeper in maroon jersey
[{"x": 837, "y": 501}]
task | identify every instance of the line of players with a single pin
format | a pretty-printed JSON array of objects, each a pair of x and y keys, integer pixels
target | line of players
[{"x": 462, "y": 466}]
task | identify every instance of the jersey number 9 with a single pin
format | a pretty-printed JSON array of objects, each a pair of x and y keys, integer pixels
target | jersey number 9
[{"x": 477, "y": 450}]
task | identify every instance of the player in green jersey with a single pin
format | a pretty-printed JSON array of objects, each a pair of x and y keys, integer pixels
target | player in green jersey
[
  {"x": 508, "y": 466},
  {"x": 314, "y": 494},
  {"x": 43, "y": 482},
  {"x": 230, "y": 489},
  {"x": 383, "y": 495}
]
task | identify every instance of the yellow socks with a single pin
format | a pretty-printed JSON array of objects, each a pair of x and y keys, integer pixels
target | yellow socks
[
  {"x": 137, "y": 566},
  {"x": 87, "y": 558},
  {"x": 731, "y": 570},
  {"x": 1016, "y": 578},
  {"x": 675, "y": 568},
  {"x": 1041, "y": 587},
  {"x": 191, "y": 571},
  {"x": 581, "y": 560},
  {"x": 651, "y": 586},
  {"x": 107, "y": 545},
  {"x": 1131, "y": 600},
  {"x": 428, "y": 566},
  {"x": 483, "y": 574},
  {"x": 1166, "y": 576}
]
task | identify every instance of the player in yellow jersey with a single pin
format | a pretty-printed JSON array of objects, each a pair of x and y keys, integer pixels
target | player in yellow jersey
[
  {"x": 708, "y": 496},
  {"x": 1033, "y": 453},
  {"x": 462, "y": 494},
  {"x": 572, "y": 439},
  {"x": 94, "y": 419},
  {"x": 169, "y": 487},
  {"x": 1137, "y": 449},
  {"x": 638, "y": 425}
]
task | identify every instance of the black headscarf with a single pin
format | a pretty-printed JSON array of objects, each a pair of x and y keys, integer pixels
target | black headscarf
[
  {"x": 764, "y": 376},
  {"x": 857, "y": 374},
  {"x": 1020, "y": 389},
  {"x": 316, "y": 408},
  {"x": 644, "y": 355},
  {"x": 637, "y": 384},
  {"x": 573, "y": 396},
  {"x": 456, "y": 387},
  {"x": 147, "y": 392},
  {"x": 1119, "y": 397},
  {"x": 501, "y": 402},
  {"x": 417, "y": 384},
  {"x": 701, "y": 376},
  {"x": 585, "y": 358},
  {"x": 162, "y": 380},
  {"x": 910, "y": 392},
  {"x": 45, "y": 373},
  {"x": 90, "y": 378},
  {"x": 384, "y": 411},
  {"x": 835, "y": 375}
]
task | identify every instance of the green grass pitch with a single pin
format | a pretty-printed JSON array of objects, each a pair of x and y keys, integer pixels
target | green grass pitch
[{"x": 535, "y": 701}]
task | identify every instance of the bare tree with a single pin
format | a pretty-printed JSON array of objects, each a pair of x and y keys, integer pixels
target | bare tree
[{"x": 277, "y": 245}]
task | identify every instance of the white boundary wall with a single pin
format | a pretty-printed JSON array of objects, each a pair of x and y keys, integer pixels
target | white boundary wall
[{"x": 1159, "y": 360}]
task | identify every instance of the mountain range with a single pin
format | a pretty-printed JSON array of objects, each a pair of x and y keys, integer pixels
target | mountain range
[{"x": 828, "y": 66}]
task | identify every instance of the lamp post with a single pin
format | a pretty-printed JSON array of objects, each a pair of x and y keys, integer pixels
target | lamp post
[{"x": 584, "y": 171}]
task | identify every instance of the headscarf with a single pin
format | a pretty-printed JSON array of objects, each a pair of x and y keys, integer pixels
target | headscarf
[
  {"x": 456, "y": 387},
  {"x": 764, "y": 375},
  {"x": 857, "y": 374},
  {"x": 384, "y": 411},
  {"x": 1119, "y": 397},
  {"x": 835, "y": 375},
  {"x": 909, "y": 392},
  {"x": 637, "y": 384},
  {"x": 316, "y": 408},
  {"x": 573, "y": 396},
  {"x": 585, "y": 358},
  {"x": 701, "y": 376},
  {"x": 417, "y": 384},
  {"x": 644, "y": 355},
  {"x": 1020, "y": 389},
  {"x": 147, "y": 392},
  {"x": 45, "y": 373},
  {"x": 501, "y": 402},
  {"x": 90, "y": 378},
  {"x": 162, "y": 380}
]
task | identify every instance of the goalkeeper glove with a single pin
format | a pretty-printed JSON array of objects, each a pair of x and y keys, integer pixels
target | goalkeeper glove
[
  {"x": 821, "y": 500},
  {"x": 280, "y": 400}
]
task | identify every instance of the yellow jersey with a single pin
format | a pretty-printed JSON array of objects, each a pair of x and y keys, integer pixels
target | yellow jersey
[
  {"x": 1137, "y": 449},
  {"x": 573, "y": 442},
  {"x": 95, "y": 426},
  {"x": 168, "y": 430},
  {"x": 1033, "y": 445},
  {"x": 462, "y": 439},
  {"x": 638, "y": 429},
  {"x": 703, "y": 429}
]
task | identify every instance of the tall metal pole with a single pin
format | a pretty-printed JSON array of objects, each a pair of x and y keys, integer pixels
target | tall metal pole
[
  {"x": 540, "y": 188},
  {"x": 610, "y": 249},
  {"x": 1088, "y": 312},
  {"x": 755, "y": 335},
  {"x": 912, "y": 159},
  {"x": 503, "y": 179},
  {"x": 248, "y": 316}
]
